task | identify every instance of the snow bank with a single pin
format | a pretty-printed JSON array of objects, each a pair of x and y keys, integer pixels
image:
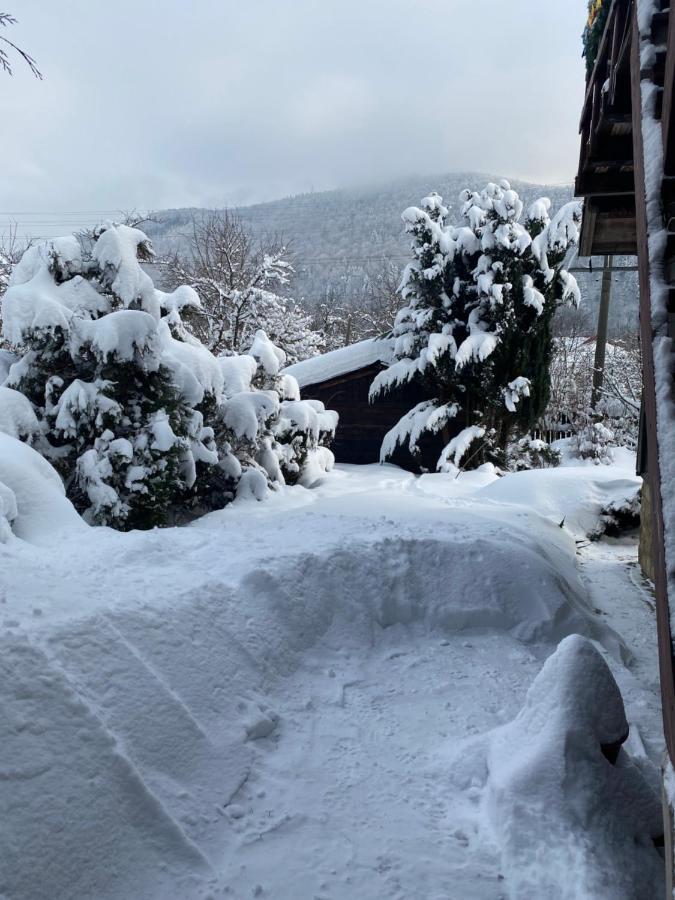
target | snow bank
[
  {"x": 574, "y": 495},
  {"x": 557, "y": 793},
  {"x": 17, "y": 418},
  {"x": 136, "y": 706},
  {"x": 32, "y": 496}
]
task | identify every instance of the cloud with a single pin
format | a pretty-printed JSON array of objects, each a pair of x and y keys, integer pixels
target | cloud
[{"x": 156, "y": 104}]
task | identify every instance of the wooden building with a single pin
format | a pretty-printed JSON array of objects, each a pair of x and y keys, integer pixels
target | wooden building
[
  {"x": 341, "y": 379},
  {"x": 627, "y": 177}
]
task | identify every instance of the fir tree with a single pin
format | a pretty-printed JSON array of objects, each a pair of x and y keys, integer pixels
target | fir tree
[
  {"x": 113, "y": 421},
  {"x": 144, "y": 424},
  {"x": 476, "y": 328}
]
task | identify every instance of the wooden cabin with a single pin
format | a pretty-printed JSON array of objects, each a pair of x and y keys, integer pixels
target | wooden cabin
[
  {"x": 627, "y": 179},
  {"x": 341, "y": 379}
]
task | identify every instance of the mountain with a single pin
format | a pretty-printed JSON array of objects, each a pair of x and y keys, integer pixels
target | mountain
[{"x": 338, "y": 237}]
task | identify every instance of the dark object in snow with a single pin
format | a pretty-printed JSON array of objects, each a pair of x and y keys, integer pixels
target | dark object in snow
[
  {"x": 344, "y": 376},
  {"x": 619, "y": 517}
]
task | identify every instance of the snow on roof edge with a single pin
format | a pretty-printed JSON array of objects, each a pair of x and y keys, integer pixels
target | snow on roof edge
[{"x": 338, "y": 362}]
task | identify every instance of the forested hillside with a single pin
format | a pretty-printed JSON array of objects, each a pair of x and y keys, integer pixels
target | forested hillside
[{"x": 343, "y": 237}]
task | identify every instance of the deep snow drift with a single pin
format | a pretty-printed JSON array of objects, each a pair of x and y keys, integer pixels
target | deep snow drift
[{"x": 339, "y": 693}]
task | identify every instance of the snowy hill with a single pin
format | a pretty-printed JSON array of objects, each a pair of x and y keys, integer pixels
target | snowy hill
[{"x": 339, "y": 236}]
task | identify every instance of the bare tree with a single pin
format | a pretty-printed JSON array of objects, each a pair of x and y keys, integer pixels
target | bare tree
[
  {"x": 382, "y": 297},
  {"x": 239, "y": 279},
  {"x": 12, "y": 249},
  {"x": 572, "y": 370},
  {"x": 348, "y": 313},
  {"x": 5, "y": 62}
]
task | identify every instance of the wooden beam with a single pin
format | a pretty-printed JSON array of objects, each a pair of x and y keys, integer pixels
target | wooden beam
[
  {"x": 623, "y": 58},
  {"x": 587, "y": 229},
  {"x": 666, "y": 667},
  {"x": 601, "y": 334},
  {"x": 597, "y": 74},
  {"x": 668, "y": 108}
]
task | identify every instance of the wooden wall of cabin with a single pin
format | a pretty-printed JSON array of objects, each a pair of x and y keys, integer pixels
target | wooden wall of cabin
[{"x": 363, "y": 425}]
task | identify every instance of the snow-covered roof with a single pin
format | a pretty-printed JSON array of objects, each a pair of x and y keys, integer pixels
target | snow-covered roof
[{"x": 339, "y": 362}]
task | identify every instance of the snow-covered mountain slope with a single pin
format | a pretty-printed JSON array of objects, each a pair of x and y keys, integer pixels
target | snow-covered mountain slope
[
  {"x": 337, "y": 237},
  {"x": 272, "y": 701}
]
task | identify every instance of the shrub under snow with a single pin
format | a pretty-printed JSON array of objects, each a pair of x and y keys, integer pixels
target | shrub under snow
[{"x": 139, "y": 418}]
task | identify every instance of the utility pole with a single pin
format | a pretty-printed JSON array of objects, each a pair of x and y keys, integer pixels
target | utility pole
[{"x": 601, "y": 339}]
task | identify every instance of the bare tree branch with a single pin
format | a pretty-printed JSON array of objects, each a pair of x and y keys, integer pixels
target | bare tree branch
[{"x": 5, "y": 63}]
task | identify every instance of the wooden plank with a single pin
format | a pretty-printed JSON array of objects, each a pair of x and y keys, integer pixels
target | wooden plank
[
  {"x": 587, "y": 229},
  {"x": 597, "y": 74},
  {"x": 668, "y": 108},
  {"x": 653, "y": 475},
  {"x": 623, "y": 61}
]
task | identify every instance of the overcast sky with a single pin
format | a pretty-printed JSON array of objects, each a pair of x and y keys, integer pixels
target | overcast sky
[{"x": 156, "y": 103}]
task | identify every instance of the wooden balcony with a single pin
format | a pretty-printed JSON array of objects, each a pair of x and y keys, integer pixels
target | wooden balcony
[{"x": 606, "y": 177}]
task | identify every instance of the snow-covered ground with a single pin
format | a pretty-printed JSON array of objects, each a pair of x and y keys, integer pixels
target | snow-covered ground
[{"x": 326, "y": 696}]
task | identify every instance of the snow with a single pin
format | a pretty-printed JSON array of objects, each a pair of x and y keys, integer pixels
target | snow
[
  {"x": 519, "y": 387},
  {"x": 17, "y": 418},
  {"x": 245, "y": 412},
  {"x": 37, "y": 303},
  {"x": 267, "y": 702},
  {"x": 237, "y": 372},
  {"x": 340, "y": 362},
  {"x": 545, "y": 772},
  {"x": 190, "y": 363},
  {"x": 125, "y": 335},
  {"x": 32, "y": 497},
  {"x": 270, "y": 358},
  {"x": 426, "y": 417},
  {"x": 82, "y": 397},
  {"x": 662, "y": 343},
  {"x": 574, "y": 494},
  {"x": 458, "y": 447},
  {"x": 116, "y": 251},
  {"x": 7, "y": 360}
]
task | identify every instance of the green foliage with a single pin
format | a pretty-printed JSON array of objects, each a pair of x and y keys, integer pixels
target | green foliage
[
  {"x": 598, "y": 11},
  {"x": 476, "y": 331}
]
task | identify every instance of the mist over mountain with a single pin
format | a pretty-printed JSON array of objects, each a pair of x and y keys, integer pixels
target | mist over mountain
[{"x": 341, "y": 237}]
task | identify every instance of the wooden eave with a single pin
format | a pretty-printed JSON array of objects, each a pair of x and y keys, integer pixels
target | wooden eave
[{"x": 606, "y": 177}]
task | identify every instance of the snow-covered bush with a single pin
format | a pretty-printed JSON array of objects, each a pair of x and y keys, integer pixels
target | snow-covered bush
[
  {"x": 134, "y": 412},
  {"x": 302, "y": 430},
  {"x": 619, "y": 516},
  {"x": 530, "y": 453},
  {"x": 595, "y": 441},
  {"x": 476, "y": 329}
]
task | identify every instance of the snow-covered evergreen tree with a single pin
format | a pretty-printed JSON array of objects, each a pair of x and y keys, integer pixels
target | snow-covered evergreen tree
[
  {"x": 476, "y": 328},
  {"x": 114, "y": 420},
  {"x": 140, "y": 419}
]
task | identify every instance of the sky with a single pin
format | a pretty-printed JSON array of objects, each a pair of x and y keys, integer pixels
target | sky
[{"x": 147, "y": 104}]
